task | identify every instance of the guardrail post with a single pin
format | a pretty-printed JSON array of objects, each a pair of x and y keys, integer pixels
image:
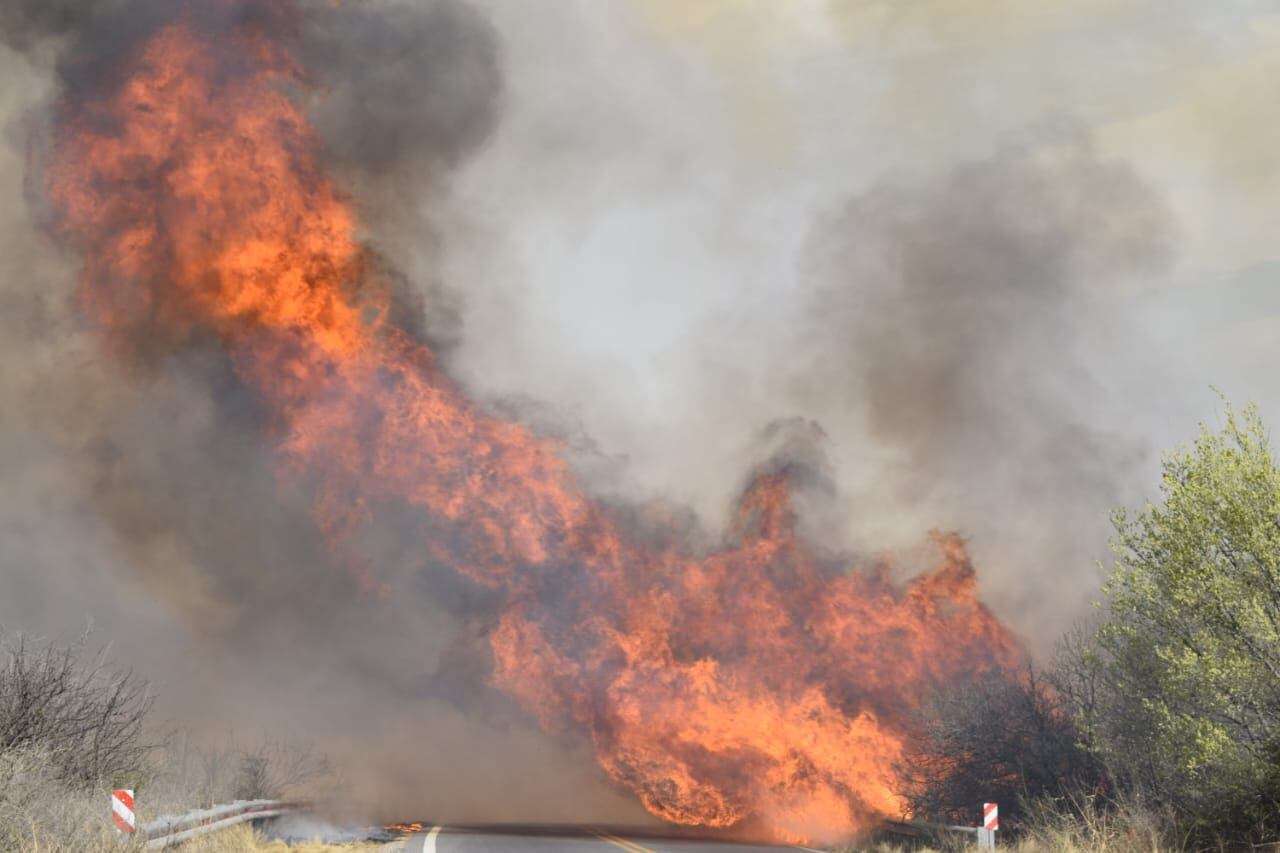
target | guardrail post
[
  {"x": 990, "y": 824},
  {"x": 122, "y": 813}
]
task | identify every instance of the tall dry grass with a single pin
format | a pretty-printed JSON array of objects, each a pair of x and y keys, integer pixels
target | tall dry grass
[
  {"x": 243, "y": 839},
  {"x": 1071, "y": 825},
  {"x": 1088, "y": 823},
  {"x": 40, "y": 812}
]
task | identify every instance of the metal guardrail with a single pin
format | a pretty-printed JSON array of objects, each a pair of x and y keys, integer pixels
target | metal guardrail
[
  {"x": 170, "y": 830},
  {"x": 984, "y": 838}
]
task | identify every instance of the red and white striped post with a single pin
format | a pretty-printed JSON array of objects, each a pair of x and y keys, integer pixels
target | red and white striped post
[
  {"x": 990, "y": 823},
  {"x": 122, "y": 811}
]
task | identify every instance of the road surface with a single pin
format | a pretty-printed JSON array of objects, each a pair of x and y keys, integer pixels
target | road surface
[{"x": 542, "y": 839}]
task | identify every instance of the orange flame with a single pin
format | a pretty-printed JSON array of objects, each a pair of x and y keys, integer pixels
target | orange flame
[{"x": 754, "y": 682}]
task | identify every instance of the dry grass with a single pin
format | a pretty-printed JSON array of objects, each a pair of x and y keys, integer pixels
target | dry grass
[
  {"x": 1079, "y": 826},
  {"x": 237, "y": 839},
  {"x": 41, "y": 812},
  {"x": 1086, "y": 824},
  {"x": 243, "y": 838},
  {"x": 1067, "y": 842},
  {"x": 38, "y": 812}
]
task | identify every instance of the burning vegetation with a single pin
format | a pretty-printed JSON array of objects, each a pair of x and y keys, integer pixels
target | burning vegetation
[{"x": 753, "y": 681}]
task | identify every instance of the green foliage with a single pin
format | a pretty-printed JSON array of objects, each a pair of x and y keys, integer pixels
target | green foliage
[{"x": 1188, "y": 655}]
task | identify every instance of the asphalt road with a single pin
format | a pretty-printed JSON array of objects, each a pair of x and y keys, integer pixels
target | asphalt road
[{"x": 443, "y": 839}]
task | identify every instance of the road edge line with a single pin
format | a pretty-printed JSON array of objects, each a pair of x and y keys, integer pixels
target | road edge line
[{"x": 624, "y": 844}]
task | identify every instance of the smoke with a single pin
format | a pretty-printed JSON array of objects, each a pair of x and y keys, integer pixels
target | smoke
[
  {"x": 589, "y": 213},
  {"x": 407, "y": 91},
  {"x": 141, "y": 496},
  {"x": 884, "y": 223},
  {"x": 963, "y": 323}
]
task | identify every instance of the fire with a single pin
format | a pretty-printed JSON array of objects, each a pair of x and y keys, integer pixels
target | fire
[{"x": 756, "y": 682}]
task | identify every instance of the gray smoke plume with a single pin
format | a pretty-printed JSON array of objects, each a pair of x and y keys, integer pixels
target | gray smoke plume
[
  {"x": 965, "y": 324},
  {"x": 735, "y": 220},
  {"x": 406, "y": 92}
]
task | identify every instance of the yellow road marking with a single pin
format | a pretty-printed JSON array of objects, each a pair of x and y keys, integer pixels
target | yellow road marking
[{"x": 629, "y": 846}]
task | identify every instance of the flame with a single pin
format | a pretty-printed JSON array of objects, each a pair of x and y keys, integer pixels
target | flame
[{"x": 756, "y": 682}]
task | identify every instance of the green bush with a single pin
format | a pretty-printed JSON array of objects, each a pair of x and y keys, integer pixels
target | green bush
[{"x": 1186, "y": 662}]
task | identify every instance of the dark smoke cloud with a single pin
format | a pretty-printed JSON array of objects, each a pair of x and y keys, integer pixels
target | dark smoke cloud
[
  {"x": 954, "y": 311},
  {"x": 960, "y": 347},
  {"x": 86, "y": 38},
  {"x": 966, "y": 328},
  {"x": 407, "y": 92},
  {"x": 24, "y": 23},
  {"x": 409, "y": 89}
]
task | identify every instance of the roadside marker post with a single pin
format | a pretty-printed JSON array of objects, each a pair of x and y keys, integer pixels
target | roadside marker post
[
  {"x": 122, "y": 811},
  {"x": 990, "y": 823}
]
